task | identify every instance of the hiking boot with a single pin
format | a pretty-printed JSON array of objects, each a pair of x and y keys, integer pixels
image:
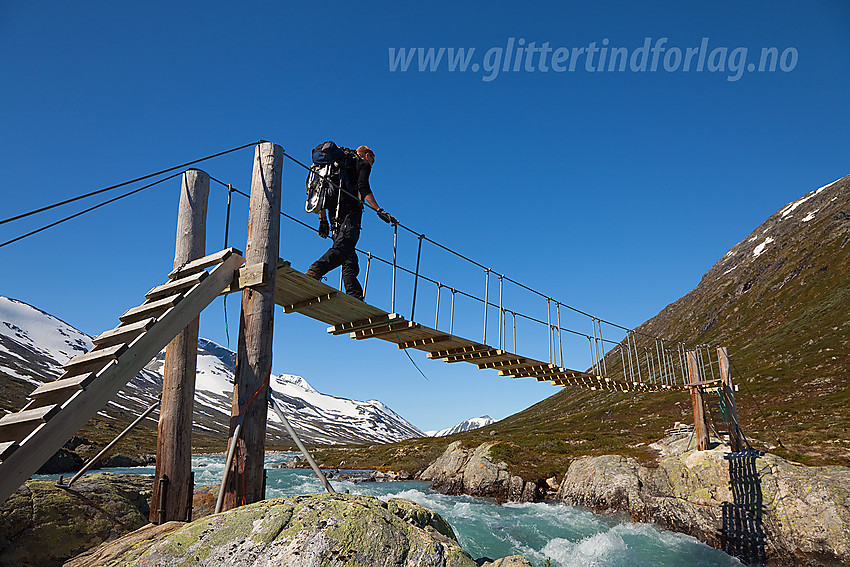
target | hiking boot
[{"x": 313, "y": 275}]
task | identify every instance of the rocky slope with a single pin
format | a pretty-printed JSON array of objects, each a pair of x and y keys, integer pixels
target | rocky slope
[{"x": 756, "y": 506}]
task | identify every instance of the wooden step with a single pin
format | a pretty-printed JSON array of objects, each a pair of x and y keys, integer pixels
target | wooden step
[
  {"x": 174, "y": 286},
  {"x": 124, "y": 333},
  {"x": 203, "y": 263},
  {"x": 60, "y": 390},
  {"x": 95, "y": 358},
  {"x": 6, "y": 449},
  {"x": 16, "y": 426},
  {"x": 150, "y": 309}
]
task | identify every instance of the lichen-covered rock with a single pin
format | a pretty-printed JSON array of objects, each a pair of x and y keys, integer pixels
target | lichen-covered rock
[
  {"x": 42, "y": 525},
  {"x": 756, "y": 506},
  {"x": 327, "y": 530},
  {"x": 510, "y": 561},
  {"x": 474, "y": 472}
]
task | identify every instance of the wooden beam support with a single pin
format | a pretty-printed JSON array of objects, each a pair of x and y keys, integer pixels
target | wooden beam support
[
  {"x": 174, "y": 432},
  {"x": 736, "y": 436},
  {"x": 245, "y": 478},
  {"x": 309, "y": 302},
  {"x": 700, "y": 420},
  {"x": 247, "y": 276}
]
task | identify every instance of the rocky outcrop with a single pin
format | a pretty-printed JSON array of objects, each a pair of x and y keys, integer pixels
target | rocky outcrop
[
  {"x": 756, "y": 506},
  {"x": 474, "y": 472},
  {"x": 331, "y": 530},
  {"x": 42, "y": 525}
]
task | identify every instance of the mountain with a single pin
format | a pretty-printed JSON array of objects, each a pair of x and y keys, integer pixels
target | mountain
[
  {"x": 34, "y": 345},
  {"x": 779, "y": 300},
  {"x": 468, "y": 425}
]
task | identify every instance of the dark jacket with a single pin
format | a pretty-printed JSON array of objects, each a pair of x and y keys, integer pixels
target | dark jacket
[{"x": 356, "y": 181}]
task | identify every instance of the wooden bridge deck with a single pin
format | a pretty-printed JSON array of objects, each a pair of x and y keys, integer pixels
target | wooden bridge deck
[{"x": 298, "y": 293}]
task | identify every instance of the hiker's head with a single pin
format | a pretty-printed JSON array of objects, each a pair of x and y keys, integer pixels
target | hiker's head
[{"x": 366, "y": 154}]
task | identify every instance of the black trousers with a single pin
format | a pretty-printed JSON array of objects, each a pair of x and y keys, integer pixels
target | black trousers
[{"x": 343, "y": 253}]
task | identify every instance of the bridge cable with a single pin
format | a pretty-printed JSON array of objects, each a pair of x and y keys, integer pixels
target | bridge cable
[
  {"x": 758, "y": 406},
  {"x": 90, "y": 209},
  {"x": 122, "y": 184}
]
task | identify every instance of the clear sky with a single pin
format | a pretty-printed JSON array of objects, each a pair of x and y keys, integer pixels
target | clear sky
[{"x": 574, "y": 169}]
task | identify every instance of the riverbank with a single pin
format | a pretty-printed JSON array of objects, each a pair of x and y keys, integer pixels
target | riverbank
[{"x": 753, "y": 505}]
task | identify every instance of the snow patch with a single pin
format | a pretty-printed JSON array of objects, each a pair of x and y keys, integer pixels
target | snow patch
[
  {"x": 760, "y": 248},
  {"x": 810, "y": 216}
]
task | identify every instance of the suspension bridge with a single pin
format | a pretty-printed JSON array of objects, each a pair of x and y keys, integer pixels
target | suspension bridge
[{"x": 168, "y": 318}]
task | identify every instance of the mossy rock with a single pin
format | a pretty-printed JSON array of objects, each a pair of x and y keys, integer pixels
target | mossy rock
[
  {"x": 326, "y": 530},
  {"x": 42, "y": 525}
]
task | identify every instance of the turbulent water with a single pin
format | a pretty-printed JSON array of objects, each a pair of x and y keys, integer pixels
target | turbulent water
[{"x": 566, "y": 536}]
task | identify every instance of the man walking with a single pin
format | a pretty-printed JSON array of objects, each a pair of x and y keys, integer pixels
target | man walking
[{"x": 347, "y": 223}]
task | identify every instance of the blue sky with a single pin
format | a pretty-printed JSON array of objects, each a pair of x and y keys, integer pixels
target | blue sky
[{"x": 611, "y": 191}]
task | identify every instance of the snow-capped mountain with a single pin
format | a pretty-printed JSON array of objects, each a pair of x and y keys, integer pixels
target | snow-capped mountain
[
  {"x": 468, "y": 425},
  {"x": 34, "y": 345}
]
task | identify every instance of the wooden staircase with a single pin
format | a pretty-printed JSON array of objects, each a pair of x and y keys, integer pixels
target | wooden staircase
[{"x": 59, "y": 409}]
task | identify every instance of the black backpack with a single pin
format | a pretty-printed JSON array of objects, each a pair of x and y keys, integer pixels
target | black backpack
[{"x": 328, "y": 174}]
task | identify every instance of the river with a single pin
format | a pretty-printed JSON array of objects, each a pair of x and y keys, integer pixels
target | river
[{"x": 565, "y": 535}]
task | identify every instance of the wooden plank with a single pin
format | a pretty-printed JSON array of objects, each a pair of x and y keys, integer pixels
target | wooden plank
[
  {"x": 150, "y": 309},
  {"x": 204, "y": 263},
  {"x": 417, "y": 343},
  {"x": 366, "y": 323},
  {"x": 529, "y": 368},
  {"x": 95, "y": 356},
  {"x": 491, "y": 353},
  {"x": 247, "y": 276},
  {"x": 504, "y": 364},
  {"x": 475, "y": 347},
  {"x": 393, "y": 329},
  {"x": 124, "y": 333},
  {"x": 40, "y": 415},
  {"x": 71, "y": 383},
  {"x": 175, "y": 286},
  {"x": 309, "y": 302},
  {"x": 16, "y": 426}
]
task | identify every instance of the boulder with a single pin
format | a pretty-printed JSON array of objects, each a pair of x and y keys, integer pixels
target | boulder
[
  {"x": 121, "y": 460},
  {"x": 332, "y": 530},
  {"x": 474, "y": 472},
  {"x": 42, "y": 525},
  {"x": 510, "y": 561},
  {"x": 62, "y": 461},
  {"x": 753, "y": 505}
]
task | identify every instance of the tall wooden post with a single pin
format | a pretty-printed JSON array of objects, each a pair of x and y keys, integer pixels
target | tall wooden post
[
  {"x": 172, "y": 490},
  {"x": 254, "y": 354},
  {"x": 736, "y": 436},
  {"x": 700, "y": 422}
]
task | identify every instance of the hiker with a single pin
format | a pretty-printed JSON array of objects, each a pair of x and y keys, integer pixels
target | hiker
[{"x": 347, "y": 224}]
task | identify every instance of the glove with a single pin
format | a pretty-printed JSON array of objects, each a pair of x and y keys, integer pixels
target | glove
[
  {"x": 324, "y": 228},
  {"x": 386, "y": 217}
]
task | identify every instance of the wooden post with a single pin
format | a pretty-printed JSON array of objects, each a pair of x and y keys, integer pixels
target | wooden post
[
  {"x": 254, "y": 354},
  {"x": 700, "y": 423},
  {"x": 736, "y": 436},
  {"x": 174, "y": 436}
]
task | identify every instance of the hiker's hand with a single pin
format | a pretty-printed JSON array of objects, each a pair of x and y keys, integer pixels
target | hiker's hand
[
  {"x": 324, "y": 228},
  {"x": 386, "y": 217}
]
